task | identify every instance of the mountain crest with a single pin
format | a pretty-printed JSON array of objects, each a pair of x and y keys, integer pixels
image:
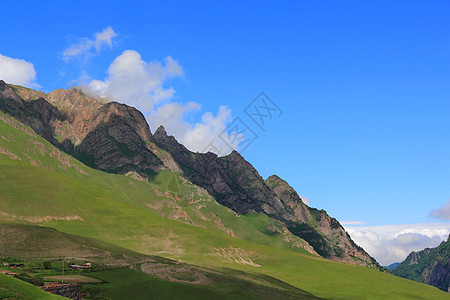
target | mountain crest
[
  {"x": 430, "y": 266},
  {"x": 111, "y": 137},
  {"x": 160, "y": 133},
  {"x": 236, "y": 184},
  {"x": 116, "y": 138}
]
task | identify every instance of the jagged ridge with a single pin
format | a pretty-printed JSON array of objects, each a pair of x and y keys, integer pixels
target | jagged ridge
[
  {"x": 110, "y": 137},
  {"x": 234, "y": 183},
  {"x": 116, "y": 138},
  {"x": 430, "y": 266}
]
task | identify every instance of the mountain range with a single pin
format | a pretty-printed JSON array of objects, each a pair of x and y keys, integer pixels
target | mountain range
[
  {"x": 89, "y": 178},
  {"x": 116, "y": 138}
]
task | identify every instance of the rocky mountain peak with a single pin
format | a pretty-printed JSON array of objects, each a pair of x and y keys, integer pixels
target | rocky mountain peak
[
  {"x": 108, "y": 136},
  {"x": 276, "y": 183},
  {"x": 116, "y": 138},
  {"x": 273, "y": 177},
  {"x": 430, "y": 265},
  {"x": 29, "y": 94},
  {"x": 8, "y": 92},
  {"x": 72, "y": 101},
  {"x": 160, "y": 133},
  {"x": 290, "y": 198},
  {"x": 235, "y": 153},
  {"x": 236, "y": 184}
]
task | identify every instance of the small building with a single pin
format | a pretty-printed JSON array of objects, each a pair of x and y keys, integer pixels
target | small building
[
  {"x": 12, "y": 265},
  {"x": 6, "y": 272},
  {"x": 80, "y": 267},
  {"x": 72, "y": 291}
]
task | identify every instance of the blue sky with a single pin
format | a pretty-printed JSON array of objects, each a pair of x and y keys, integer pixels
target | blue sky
[{"x": 364, "y": 87}]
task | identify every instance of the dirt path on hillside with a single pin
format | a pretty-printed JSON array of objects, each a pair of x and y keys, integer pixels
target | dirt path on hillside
[{"x": 174, "y": 273}]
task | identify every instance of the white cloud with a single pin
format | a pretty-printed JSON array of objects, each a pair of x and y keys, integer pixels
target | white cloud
[
  {"x": 305, "y": 200},
  {"x": 393, "y": 243},
  {"x": 442, "y": 213},
  {"x": 17, "y": 71},
  {"x": 85, "y": 48},
  {"x": 142, "y": 84},
  {"x": 198, "y": 136},
  {"x": 136, "y": 82},
  {"x": 104, "y": 38}
]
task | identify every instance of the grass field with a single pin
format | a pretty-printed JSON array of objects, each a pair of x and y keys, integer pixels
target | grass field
[
  {"x": 11, "y": 288},
  {"x": 124, "y": 269},
  {"x": 168, "y": 217},
  {"x": 141, "y": 286}
]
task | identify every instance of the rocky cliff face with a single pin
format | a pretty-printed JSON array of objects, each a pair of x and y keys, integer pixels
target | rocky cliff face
[
  {"x": 325, "y": 233},
  {"x": 234, "y": 183},
  {"x": 116, "y": 138},
  {"x": 38, "y": 114},
  {"x": 111, "y": 137},
  {"x": 431, "y": 266}
]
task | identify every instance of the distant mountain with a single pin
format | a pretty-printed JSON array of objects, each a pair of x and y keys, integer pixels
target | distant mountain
[
  {"x": 430, "y": 266},
  {"x": 116, "y": 138},
  {"x": 392, "y": 266}
]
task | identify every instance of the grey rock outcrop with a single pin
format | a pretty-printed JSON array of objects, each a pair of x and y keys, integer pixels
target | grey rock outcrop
[
  {"x": 430, "y": 266},
  {"x": 234, "y": 183},
  {"x": 116, "y": 138},
  {"x": 111, "y": 137}
]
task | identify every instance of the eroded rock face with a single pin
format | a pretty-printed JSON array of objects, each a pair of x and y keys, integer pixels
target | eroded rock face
[
  {"x": 111, "y": 137},
  {"x": 440, "y": 276},
  {"x": 38, "y": 114},
  {"x": 296, "y": 210},
  {"x": 116, "y": 138},
  {"x": 118, "y": 143},
  {"x": 234, "y": 183},
  {"x": 430, "y": 266},
  {"x": 231, "y": 180},
  {"x": 325, "y": 233}
]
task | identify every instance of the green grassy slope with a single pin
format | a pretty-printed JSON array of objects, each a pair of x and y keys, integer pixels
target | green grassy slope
[
  {"x": 116, "y": 208},
  {"x": 28, "y": 242},
  {"x": 129, "y": 275},
  {"x": 11, "y": 288},
  {"x": 172, "y": 218},
  {"x": 141, "y": 286}
]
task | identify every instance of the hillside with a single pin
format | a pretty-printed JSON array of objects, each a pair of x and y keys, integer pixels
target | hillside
[
  {"x": 234, "y": 183},
  {"x": 115, "y": 138},
  {"x": 12, "y": 289},
  {"x": 28, "y": 241},
  {"x": 35, "y": 245},
  {"x": 392, "y": 266},
  {"x": 169, "y": 216},
  {"x": 430, "y": 266}
]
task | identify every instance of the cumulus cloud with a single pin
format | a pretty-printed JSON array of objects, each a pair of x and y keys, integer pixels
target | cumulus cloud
[
  {"x": 85, "y": 48},
  {"x": 197, "y": 136},
  {"x": 142, "y": 84},
  {"x": 17, "y": 71},
  {"x": 393, "y": 243},
  {"x": 442, "y": 213},
  {"x": 136, "y": 82}
]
